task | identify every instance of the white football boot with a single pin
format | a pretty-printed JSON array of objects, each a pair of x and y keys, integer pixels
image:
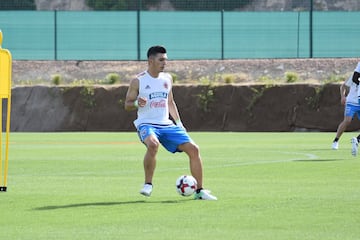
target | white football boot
[
  {"x": 354, "y": 146},
  {"x": 146, "y": 190},
  {"x": 204, "y": 195},
  {"x": 335, "y": 145}
]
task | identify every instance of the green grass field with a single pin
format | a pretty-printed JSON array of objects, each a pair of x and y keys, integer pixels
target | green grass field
[{"x": 270, "y": 186}]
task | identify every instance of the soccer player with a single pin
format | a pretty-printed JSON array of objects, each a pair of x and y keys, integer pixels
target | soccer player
[
  {"x": 150, "y": 93},
  {"x": 350, "y": 98}
]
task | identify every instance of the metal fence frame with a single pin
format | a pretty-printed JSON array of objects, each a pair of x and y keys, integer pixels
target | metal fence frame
[{"x": 138, "y": 23}]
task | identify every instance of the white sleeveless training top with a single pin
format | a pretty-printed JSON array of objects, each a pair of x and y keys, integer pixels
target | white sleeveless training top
[
  {"x": 353, "y": 94},
  {"x": 156, "y": 91}
]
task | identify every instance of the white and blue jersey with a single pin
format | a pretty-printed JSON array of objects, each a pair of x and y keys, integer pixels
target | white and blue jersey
[
  {"x": 352, "y": 105},
  {"x": 153, "y": 118},
  {"x": 156, "y": 91}
]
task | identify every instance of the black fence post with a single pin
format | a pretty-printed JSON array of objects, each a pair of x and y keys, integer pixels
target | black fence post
[
  {"x": 298, "y": 36},
  {"x": 222, "y": 34},
  {"x": 311, "y": 29},
  {"x": 138, "y": 31},
  {"x": 55, "y": 35}
]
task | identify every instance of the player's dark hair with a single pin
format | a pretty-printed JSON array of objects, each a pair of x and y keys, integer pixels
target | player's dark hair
[{"x": 155, "y": 50}]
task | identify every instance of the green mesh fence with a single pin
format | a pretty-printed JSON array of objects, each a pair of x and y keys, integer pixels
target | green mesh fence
[
  {"x": 28, "y": 34},
  {"x": 126, "y": 35},
  {"x": 266, "y": 35},
  {"x": 96, "y": 35},
  {"x": 185, "y": 34},
  {"x": 336, "y": 34}
]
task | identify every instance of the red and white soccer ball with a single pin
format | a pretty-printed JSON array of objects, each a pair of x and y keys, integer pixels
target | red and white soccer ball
[{"x": 186, "y": 185}]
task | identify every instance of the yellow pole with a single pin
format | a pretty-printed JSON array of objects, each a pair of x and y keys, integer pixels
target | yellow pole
[
  {"x": 5, "y": 93},
  {"x": 1, "y": 126},
  {"x": 1, "y": 146},
  {"x": 7, "y": 137}
]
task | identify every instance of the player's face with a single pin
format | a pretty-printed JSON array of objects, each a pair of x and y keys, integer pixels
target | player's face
[{"x": 158, "y": 62}]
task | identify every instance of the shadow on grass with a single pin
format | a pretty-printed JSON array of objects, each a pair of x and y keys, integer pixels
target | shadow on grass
[{"x": 77, "y": 205}]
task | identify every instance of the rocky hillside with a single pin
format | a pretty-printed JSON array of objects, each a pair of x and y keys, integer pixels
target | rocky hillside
[
  {"x": 256, "y": 5},
  {"x": 242, "y": 71}
]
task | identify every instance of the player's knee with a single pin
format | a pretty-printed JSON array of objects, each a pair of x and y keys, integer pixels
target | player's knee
[
  {"x": 153, "y": 145},
  {"x": 347, "y": 121},
  {"x": 194, "y": 149}
]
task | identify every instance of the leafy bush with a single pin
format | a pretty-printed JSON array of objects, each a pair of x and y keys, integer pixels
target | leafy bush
[
  {"x": 88, "y": 94},
  {"x": 188, "y": 5},
  {"x": 112, "y": 78},
  {"x": 56, "y": 79},
  {"x": 175, "y": 77},
  {"x": 291, "y": 77},
  {"x": 335, "y": 78},
  {"x": 229, "y": 78},
  {"x": 207, "y": 94},
  {"x": 206, "y": 5},
  {"x": 120, "y": 4}
]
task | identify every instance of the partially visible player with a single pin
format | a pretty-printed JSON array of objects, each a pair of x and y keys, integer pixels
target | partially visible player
[{"x": 349, "y": 92}]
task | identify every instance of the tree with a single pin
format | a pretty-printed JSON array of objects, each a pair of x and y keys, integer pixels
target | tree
[
  {"x": 17, "y": 5},
  {"x": 209, "y": 5},
  {"x": 120, "y": 4}
]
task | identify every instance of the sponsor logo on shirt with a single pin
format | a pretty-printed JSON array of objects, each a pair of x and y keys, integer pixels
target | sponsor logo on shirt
[
  {"x": 158, "y": 104},
  {"x": 158, "y": 95}
]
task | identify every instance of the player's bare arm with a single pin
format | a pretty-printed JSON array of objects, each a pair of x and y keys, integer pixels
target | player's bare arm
[
  {"x": 343, "y": 93},
  {"x": 131, "y": 100},
  {"x": 173, "y": 108}
]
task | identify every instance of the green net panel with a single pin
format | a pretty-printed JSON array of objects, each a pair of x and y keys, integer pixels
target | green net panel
[
  {"x": 29, "y": 34},
  {"x": 185, "y": 34},
  {"x": 97, "y": 35},
  {"x": 126, "y": 35},
  {"x": 336, "y": 34}
]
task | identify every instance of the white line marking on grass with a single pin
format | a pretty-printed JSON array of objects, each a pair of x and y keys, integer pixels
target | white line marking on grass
[
  {"x": 302, "y": 156},
  {"x": 305, "y": 156}
]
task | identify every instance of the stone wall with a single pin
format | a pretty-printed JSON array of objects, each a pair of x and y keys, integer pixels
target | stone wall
[{"x": 292, "y": 107}]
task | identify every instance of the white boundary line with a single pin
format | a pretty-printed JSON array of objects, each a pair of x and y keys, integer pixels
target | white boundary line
[
  {"x": 306, "y": 156},
  {"x": 302, "y": 156}
]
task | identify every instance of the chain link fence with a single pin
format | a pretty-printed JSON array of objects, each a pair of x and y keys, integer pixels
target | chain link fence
[{"x": 190, "y": 29}]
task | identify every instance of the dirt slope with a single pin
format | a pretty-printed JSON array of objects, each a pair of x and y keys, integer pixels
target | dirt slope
[{"x": 245, "y": 71}]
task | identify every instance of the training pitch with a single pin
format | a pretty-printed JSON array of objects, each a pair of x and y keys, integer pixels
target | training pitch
[{"x": 270, "y": 186}]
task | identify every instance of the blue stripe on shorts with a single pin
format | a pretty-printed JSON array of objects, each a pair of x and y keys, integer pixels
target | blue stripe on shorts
[{"x": 169, "y": 136}]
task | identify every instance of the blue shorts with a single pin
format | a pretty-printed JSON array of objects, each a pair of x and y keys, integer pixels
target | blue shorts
[
  {"x": 169, "y": 136},
  {"x": 351, "y": 109}
]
